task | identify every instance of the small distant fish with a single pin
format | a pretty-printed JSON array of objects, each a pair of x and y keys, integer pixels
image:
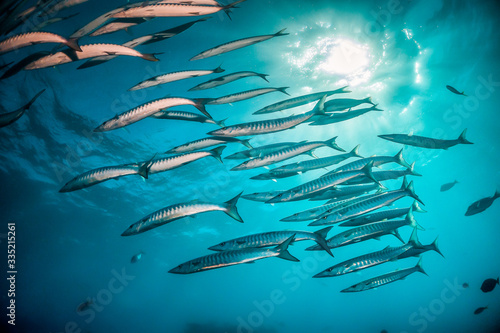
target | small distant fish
[
  {"x": 233, "y": 98},
  {"x": 448, "y": 186},
  {"x": 175, "y": 161},
  {"x": 455, "y": 91},
  {"x": 340, "y": 104},
  {"x": 425, "y": 142},
  {"x": 32, "y": 38},
  {"x": 136, "y": 257},
  {"x": 85, "y": 305},
  {"x": 237, "y": 44},
  {"x": 465, "y": 285},
  {"x": 229, "y": 258},
  {"x": 178, "y": 211},
  {"x": 10, "y": 117},
  {"x": 204, "y": 143},
  {"x": 175, "y": 76},
  {"x": 187, "y": 116},
  {"x": 481, "y": 205},
  {"x": 221, "y": 80},
  {"x": 489, "y": 284},
  {"x": 479, "y": 310}
]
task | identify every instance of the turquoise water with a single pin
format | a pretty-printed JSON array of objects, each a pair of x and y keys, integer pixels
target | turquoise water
[{"x": 402, "y": 54}]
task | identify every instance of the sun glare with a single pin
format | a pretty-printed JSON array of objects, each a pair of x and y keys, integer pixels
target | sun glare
[{"x": 343, "y": 57}]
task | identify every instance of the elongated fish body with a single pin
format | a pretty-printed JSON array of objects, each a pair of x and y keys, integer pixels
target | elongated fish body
[
  {"x": 346, "y": 192},
  {"x": 298, "y": 101},
  {"x": 448, "y": 186},
  {"x": 317, "y": 185},
  {"x": 382, "y": 280},
  {"x": 178, "y": 211},
  {"x": 273, "y": 238},
  {"x": 99, "y": 175},
  {"x": 260, "y": 151},
  {"x": 229, "y": 258},
  {"x": 340, "y": 104},
  {"x": 261, "y": 196},
  {"x": 342, "y": 116},
  {"x": 233, "y": 98},
  {"x": 237, "y": 44},
  {"x": 187, "y": 116},
  {"x": 481, "y": 205},
  {"x": 425, "y": 142},
  {"x": 10, "y": 117},
  {"x": 385, "y": 175},
  {"x": 175, "y": 76},
  {"x": 88, "y": 51},
  {"x": 365, "y": 261},
  {"x": 117, "y": 25},
  {"x": 144, "y": 111},
  {"x": 221, "y": 80},
  {"x": 455, "y": 91},
  {"x": 286, "y": 153},
  {"x": 204, "y": 143},
  {"x": 168, "y": 33},
  {"x": 340, "y": 214},
  {"x": 94, "y": 24},
  {"x": 172, "y": 10},
  {"x": 381, "y": 216},
  {"x": 317, "y": 163},
  {"x": 306, "y": 215},
  {"x": 172, "y": 162},
  {"x": 32, "y": 38}
]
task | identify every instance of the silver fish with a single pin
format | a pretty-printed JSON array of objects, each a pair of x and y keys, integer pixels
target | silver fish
[
  {"x": 221, "y": 80},
  {"x": 204, "y": 143},
  {"x": 237, "y": 44},
  {"x": 340, "y": 104},
  {"x": 10, "y": 117},
  {"x": 243, "y": 95},
  {"x": 175, "y": 76},
  {"x": 188, "y": 116},
  {"x": 385, "y": 175},
  {"x": 306, "y": 215},
  {"x": 298, "y": 101},
  {"x": 345, "y": 192},
  {"x": 117, "y": 25},
  {"x": 286, "y": 153},
  {"x": 260, "y": 151},
  {"x": 146, "y": 110},
  {"x": 382, "y": 280},
  {"x": 229, "y": 258},
  {"x": 172, "y": 162},
  {"x": 274, "y": 238},
  {"x": 424, "y": 142},
  {"x": 32, "y": 38},
  {"x": 336, "y": 117},
  {"x": 179, "y": 211},
  {"x": 261, "y": 196}
]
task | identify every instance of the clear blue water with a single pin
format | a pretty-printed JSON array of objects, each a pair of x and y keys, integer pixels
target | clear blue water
[{"x": 68, "y": 245}]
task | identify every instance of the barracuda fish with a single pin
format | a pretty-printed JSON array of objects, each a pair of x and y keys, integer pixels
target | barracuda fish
[
  {"x": 346, "y": 192},
  {"x": 261, "y": 196},
  {"x": 317, "y": 185},
  {"x": 100, "y": 175},
  {"x": 365, "y": 206},
  {"x": 146, "y": 110},
  {"x": 481, "y": 205},
  {"x": 340, "y": 104},
  {"x": 382, "y": 280},
  {"x": 274, "y": 238},
  {"x": 10, "y": 117},
  {"x": 260, "y": 151},
  {"x": 165, "y": 34},
  {"x": 377, "y": 161},
  {"x": 175, "y": 76},
  {"x": 342, "y": 116},
  {"x": 188, "y": 116},
  {"x": 244, "y": 95},
  {"x": 298, "y": 101},
  {"x": 366, "y": 260},
  {"x": 418, "y": 248},
  {"x": 370, "y": 231},
  {"x": 118, "y": 24},
  {"x": 318, "y": 163},
  {"x": 382, "y": 216},
  {"x": 32, "y": 38},
  {"x": 172, "y": 162},
  {"x": 424, "y": 142},
  {"x": 268, "y": 126},
  {"x": 455, "y": 91},
  {"x": 179, "y": 211},
  {"x": 204, "y": 143},
  {"x": 88, "y": 51},
  {"x": 385, "y": 175},
  {"x": 229, "y": 258},
  {"x": 173, "y": 10},
  {"x": 286, "y": 153},
  {"x": 237, "y": 44},
  {"x": 16, "y": 68},
  {"x": 221, "y": 80},
  {"x": 273, "y": 175}
]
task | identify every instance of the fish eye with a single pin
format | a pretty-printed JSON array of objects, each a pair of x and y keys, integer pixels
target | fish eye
[
  {"x": 223, "y": 243},
  {"x": 330, "y": 269}
]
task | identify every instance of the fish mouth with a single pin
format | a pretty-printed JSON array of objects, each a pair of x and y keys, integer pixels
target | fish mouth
[
  {"x": 389, "y": 137},
  {"x": 238, "y": 168},
  {"x": 214, "y": 248},
  {"x": 99, "y": 129},
  {"x": 320, "y": 275}
]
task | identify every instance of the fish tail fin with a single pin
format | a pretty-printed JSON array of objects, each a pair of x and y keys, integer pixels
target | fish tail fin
[
  {"x": 221, "y": 123},
  {"x": 369, "y": 100},
  {"x": 331, "y": 143},
  {"x": 73, "y": 43},
  {"x": 414, "y": 238},
  {"x": 435, "y": 247},
  {"x": 282, "y": 249},
  {"x": 355, "y": 152},
  {"x": 283, "y": 90},
  {"x": 246, "y": 143},
  {"x": 227, "y": 8},
  {"x": 217, "y": 152},
  {"x": 149, "y": 57},
  {"x": 496, "y": 195},
  {"x": 415, "y": 207},
  {"x": 410, "y": 219},
  {"x": 398, "y": 158},
  {"x": 319, "y": 108},
  {"x": 412, "y": 170},
  {"x": 200, "y": 105},
  {"x": 28, "y": 105},
  {"x": 498, "y": 280},
  {"x": 420, "y": 268},
  {"x": 412, "y": 194},
  {"x": 463, "y": 93},
  {"x": 374, "y": 108},
  {"x": 231, "y": 209},
  {"x": 281, "y": 33},
  {"x": 321, "y": 239},
  {"x": 367, "y": 169},
  {"x": 396, "y": 234},
  {"x": 145, "y": 167},
  {"x": 344, "y": 89},
  {"x": 264, "y": 76},
  {"x": 219, "y": 69},
  {"x": 462, "y": 139}
]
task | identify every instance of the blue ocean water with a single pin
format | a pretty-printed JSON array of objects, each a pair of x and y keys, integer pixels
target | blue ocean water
[{"x": 401, "y": 53}]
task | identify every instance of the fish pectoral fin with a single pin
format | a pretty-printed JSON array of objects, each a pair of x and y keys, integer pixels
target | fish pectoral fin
[{"x": 110, "y": 53}]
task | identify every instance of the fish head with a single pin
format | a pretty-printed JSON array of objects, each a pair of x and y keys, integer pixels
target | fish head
[
  {"x": 332, "y": 271},
  {"x": 243, "y": 166},
  {"x": 223, "y": 246},
  {"x": 108, "y": 125},
  {"x": 134, "y": 229},
  {"x": 285, "y": 196},
  {"x": 355, "y": 288},
  {"x": 187, "y": 267}
]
